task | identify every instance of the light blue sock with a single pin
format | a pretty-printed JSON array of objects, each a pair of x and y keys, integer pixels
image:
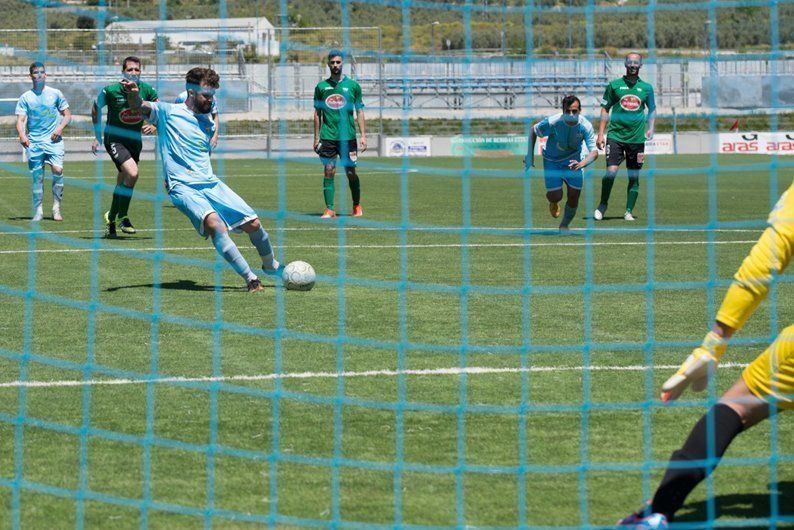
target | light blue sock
[
  {"x": 57, "y": 186},
  {"x": 38, "y": 187},
  {"x": 261, "y": 241},
  {"x": 568, "y": 216},
  {"x": 226, "y": 248}
]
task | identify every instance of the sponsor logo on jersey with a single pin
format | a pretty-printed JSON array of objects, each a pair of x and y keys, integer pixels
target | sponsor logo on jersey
[
  {"x": 130, "y": 117},
  {"x": 630, "y": 102},
  {"x": 335, "y": 101}
]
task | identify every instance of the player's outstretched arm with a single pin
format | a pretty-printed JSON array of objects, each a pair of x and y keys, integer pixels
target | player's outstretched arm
[
  {"x": 134, "y": 99},
  {"x": 769, "y": 257}
]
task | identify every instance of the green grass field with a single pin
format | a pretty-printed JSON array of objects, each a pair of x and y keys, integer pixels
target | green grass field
[{"x": 564, "y": 429}]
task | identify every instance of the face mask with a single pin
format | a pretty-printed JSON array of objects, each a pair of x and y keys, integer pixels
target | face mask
[
  {"x": 132, "y": 77},
  {"x": 570, "y": 118}
]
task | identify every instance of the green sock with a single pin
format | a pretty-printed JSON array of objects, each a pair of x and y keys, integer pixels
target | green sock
[
  {"x": 114, "y": 206},
  {"x": 125, "y": 196},
  {"x": 632, "y": 192},
  {"x": 606, "y": 189},
  {"x": 328, "y": 193},
  {"x": 355, "y": 190}
]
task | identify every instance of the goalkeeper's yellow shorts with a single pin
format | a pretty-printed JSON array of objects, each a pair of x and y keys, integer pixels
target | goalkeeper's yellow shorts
[{"x": 771, "y": 375}]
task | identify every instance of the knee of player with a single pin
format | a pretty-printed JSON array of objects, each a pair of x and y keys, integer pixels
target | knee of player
[
  {"x": 57, "y": 171},
  {"x": 351, "y": 172},
  {"x": 252, "y": 226},
  {"x": 330, "y": 171},
  {"x": 611, "y": 173},
  {"x": 213, "y": 225}
]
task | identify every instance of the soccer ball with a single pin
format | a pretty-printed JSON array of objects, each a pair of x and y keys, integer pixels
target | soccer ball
[{"x": 298, "y": 276}]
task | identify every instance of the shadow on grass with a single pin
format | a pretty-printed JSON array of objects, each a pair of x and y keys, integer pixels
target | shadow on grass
[
  {"x": 182, "y": 285},
  {"x": 744, "y": 506}
]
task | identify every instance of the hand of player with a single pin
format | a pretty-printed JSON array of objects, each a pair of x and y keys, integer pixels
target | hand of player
[
  {"x": 214, "y": 141},
  {"x": 362, "y": 144},
  {"x": 600, "y": 143},
  {"x": 696, "y": 368},
  {"x": 94, "y": 146},
  {"x": 576, "y": 165},
  {"x": 56, "y": 135},
  {"x": 317, "y": 146},
  {"x": 529, "y": 161},
  {"x": 148, "y": 128},
  {"x": 24, "y": 141},
  {"x": 649, "y": 134},
  {"x": 130, "y": 87}
]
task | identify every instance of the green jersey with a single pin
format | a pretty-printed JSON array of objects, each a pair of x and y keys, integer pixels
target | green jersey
[
  {"x": 337, "y": 103},
  {"x": 628, "y": 102},
  {"x": 124, "y": 124}
]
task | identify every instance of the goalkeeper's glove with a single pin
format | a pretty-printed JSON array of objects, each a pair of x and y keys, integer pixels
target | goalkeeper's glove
[{"x": 695, "y": 370}]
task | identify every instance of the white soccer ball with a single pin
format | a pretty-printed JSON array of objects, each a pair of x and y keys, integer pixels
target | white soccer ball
[{"x": 298, "y": 276}]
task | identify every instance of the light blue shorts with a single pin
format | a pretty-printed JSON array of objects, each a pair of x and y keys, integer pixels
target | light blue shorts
[
  {"x": 40, "y": 153},
  {"x": 555, "y": 173},
  {"x": 200, "y": 200}
]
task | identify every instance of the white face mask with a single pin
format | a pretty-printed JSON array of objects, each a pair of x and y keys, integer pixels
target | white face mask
[{"x": 570, "y": 118}]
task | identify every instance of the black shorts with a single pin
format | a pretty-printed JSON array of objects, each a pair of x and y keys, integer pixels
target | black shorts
[
  {"x": 346, "y": 150},
  {"x": 633, "y": 154},
  {"x": 120, "y": 152}
]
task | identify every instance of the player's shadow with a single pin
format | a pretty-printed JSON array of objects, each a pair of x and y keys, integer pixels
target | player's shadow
[
  {"x": 181, "y": 285},
  {"x": 743, "y": 506}
]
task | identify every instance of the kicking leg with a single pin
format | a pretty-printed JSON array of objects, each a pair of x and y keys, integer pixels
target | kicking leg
[
  {"x": 260, "y": 239},
  {"x": 215, "y": 228}
]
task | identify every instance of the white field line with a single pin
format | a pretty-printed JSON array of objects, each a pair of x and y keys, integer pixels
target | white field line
[
  {"x": 336, "y": 247},
  {"x": 472, "y": 230},
  {"x": 474, "y": 370}
]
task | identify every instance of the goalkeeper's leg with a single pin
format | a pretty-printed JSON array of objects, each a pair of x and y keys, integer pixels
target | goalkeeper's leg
[{"x": 738, "y": 409}]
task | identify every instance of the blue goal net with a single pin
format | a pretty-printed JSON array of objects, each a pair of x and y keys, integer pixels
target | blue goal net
[{"x": 489, "y": 329}]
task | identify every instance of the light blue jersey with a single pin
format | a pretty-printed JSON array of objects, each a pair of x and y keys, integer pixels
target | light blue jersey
[
  {"x": 185, "y": 142},
  {"x": 182, "y": 97},
  {"x": 566, "y": 142},
  {"x": 43, "y": 111}
]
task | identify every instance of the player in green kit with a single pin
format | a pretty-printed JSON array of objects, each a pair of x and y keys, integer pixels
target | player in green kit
[
  {"x": 337, "y": 108},
  {"x": 122, "y": 140},
  {"x": 627, "y": 98}
]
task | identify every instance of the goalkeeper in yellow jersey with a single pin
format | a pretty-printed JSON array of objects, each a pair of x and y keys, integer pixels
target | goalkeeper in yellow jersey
[{"x": 767, "y": 382}]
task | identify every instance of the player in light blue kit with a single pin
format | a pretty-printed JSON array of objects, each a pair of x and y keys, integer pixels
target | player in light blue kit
[
  {"x": 182, "y": 97},
  {"x": 571, "y": 146},
  {"x": 42, "y": 115},
  {"x": 185, "y": 132}
]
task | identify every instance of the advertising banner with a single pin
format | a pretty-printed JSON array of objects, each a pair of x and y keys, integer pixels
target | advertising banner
[{"x": 410, "y": 146}]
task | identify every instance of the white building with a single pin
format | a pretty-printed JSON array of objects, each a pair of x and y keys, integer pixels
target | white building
[{"x": 191, "y": 34}]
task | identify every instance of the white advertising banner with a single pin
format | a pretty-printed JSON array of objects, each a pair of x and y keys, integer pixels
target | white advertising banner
[
  {"x": 761, "y": 143},
  {"x": 661, "y": 144},
  {"x": 410, "y": 146}
]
